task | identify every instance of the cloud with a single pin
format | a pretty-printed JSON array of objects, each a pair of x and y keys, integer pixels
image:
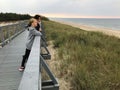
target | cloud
[{"x": 66, "y": 7}]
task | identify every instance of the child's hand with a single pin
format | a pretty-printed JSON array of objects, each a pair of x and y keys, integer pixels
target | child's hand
[{"x": 40, "y": 29}]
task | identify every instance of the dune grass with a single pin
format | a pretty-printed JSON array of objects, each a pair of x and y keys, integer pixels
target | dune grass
[
  {"x": 10, "y": 30},
  {"x": 89, "y": 60}
]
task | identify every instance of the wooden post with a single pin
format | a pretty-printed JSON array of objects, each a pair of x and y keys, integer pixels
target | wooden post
[{"x": 2, "y": 36}]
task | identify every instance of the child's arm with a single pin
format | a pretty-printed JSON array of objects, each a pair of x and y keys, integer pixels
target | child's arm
[{"x": 36, "y": 33}]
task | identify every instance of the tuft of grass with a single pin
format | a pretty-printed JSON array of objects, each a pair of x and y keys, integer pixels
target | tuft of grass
[{"x": 89, "y": 60}]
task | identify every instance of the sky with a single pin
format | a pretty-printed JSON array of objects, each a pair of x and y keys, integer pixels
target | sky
[{"x": 64, "y": 8}]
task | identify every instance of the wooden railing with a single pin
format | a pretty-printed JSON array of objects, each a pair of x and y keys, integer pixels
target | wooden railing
[
  {"x": 8, "y": 32},
  {"x": 32, "y": 75},
  {"x": 31, "y": 79}
]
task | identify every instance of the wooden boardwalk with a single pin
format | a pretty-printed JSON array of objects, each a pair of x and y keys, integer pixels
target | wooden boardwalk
[{"x": 10, "y": 60}]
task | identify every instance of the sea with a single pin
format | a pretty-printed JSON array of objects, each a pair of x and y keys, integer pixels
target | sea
[{"x": 112, "y": 23}]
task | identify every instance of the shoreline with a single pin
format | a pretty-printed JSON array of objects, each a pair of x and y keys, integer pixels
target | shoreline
[{"x": 107, "y": 31}]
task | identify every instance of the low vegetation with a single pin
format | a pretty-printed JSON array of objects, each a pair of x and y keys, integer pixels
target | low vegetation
[
  {"x": 88, "y": 60},
  {"x": 14, "y": 17}
]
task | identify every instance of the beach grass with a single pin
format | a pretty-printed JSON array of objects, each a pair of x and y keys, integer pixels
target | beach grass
[
  {"x": 88, "y": 60},
  {"x": 10, "y": 30}
]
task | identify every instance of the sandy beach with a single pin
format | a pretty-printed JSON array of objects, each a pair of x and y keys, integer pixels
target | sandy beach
[{"x": 107, "y": 31}]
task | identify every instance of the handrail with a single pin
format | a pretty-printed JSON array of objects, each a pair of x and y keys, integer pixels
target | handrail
[
  {"x": 8, "y": 32},
  {"x": 31, "y": 79}
]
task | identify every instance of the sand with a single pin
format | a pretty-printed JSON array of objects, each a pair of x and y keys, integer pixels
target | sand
[
  {"x": 8, "y": 23},
  {"x": 107, "y": 31}
]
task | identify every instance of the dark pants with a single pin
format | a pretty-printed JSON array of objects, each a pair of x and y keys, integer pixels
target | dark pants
[{"x": 25, "y": 57}]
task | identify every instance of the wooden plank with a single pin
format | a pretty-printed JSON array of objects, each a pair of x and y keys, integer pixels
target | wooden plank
[
  {"x": 31, "y": 75},
  {"x": 10, "y": 60}
]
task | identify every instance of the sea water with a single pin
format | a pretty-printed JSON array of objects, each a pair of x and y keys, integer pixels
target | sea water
[{"x": 94, "y": 22}]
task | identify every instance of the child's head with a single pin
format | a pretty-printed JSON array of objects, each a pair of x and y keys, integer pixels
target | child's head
[
  {"x": 32, "y": 22},
  {"x": 37, "y": 17}
]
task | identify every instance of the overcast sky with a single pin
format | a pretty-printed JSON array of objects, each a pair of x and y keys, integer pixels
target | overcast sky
[{"x": 64, "y": 8}]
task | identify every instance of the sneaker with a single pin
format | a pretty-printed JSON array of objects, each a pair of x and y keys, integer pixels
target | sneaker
[{"x": 21, "y": 69}]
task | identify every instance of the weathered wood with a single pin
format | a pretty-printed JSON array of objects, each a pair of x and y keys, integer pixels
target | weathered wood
[
  {"x": 49, "y": 85},
  {"x": 45, "y": 66},
  {"x": 31, "y": 79},
  {"x": 46, "y": 55},
  {"x": 8, "y": 32},
  {"x": 10, "y": 60},
  {"x": 31, "y": 75}
]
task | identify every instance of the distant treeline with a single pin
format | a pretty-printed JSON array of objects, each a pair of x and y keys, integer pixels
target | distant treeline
[
  {"x": 14, "y": 17},
  {"x": 45, "y": 18}
]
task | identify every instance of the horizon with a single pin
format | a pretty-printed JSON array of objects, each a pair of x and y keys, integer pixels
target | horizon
[
  {"x": 70, "y": 16},
  {"x": 73, "y": 16},
  {"x": 82, "y": 17},
  {"x": 62, "y": 15},
  {"x": 85, "y": 17}
]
